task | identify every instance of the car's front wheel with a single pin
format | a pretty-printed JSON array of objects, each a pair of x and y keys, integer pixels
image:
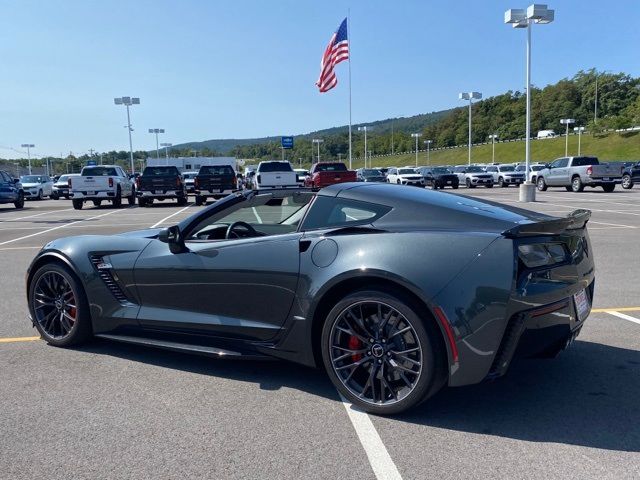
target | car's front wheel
[
  {"x": 19, "y": 203},
  {"x": 541, "y": 184},
  {"x": 378, "y": 352},
  {"x": 626, "y": 182},
  {"x": 58, "y": 306}
]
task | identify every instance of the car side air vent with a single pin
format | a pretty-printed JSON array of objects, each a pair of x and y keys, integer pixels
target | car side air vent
[{"x": 107, "y": 276}]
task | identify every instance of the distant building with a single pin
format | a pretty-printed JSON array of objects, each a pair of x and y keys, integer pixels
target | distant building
[{"x": 186, "y": 164}]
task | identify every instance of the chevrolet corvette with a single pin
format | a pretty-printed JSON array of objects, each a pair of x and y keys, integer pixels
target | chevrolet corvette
[{"x": 395, "y": 291}]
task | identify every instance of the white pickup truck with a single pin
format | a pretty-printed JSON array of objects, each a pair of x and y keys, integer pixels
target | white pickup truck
[
  {"x": 103, "y": 182},
  {"x": 274, "y": 174},
  {"x": 575, "y": 173}
]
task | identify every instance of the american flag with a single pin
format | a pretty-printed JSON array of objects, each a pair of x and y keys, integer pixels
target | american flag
[{"x": 336, "y": 52}]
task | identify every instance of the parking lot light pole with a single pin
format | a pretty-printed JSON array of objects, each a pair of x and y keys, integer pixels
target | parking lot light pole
[
  {"x": 579, "y": 130},
  {"x": 157, "y": 131},
  {"x": 493, "y": 147},
  {"x": 166, "y": 151},
  {"x": 567, "y": 122},
  {"x": 470, "y": 96},
  {"x": 28, "y": 146},
  {"x": 127, "y": 102},
  {"x": 521, "y": 18},
  {"x": 416, "y": 136},
  {"x": 428, "y": 144},
  {"x": 318, "y": 141},
  {"x": 364, "y": 129}
]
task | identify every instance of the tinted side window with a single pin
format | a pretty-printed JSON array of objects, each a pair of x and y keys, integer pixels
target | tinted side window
[{"x": 327, "y": 212}]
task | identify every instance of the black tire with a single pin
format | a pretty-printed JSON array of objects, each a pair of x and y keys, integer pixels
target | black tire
[
  {"x": 398, "y": 181},
  {"x": 142, "y": 202},
  {"x": 469, "y": 185},
  {"x": 131, "y": 199},
  {"x": 434, "y": 186},
  {"x": 117, "y": 200},
  {"x": 49, "y": 319},
  {"x": 20, "y": 202},
  {"x": 501, "y": 183},
  {"x": 541, "y": 185},
  {"x": 455, "y": 186},
  {"x": 199, "y": 200},
  {"x": 489, "y": 185},
  {"x": 608, "y": 188},
  {"x": 627, "y": 183},
  {"x": 40, "y": 195},
  {"x": 420, "y": 340},
  {"x": 182, "y": 201},
  {"x": 55, "y": 196},
  {"x": 568, "y": 189},
  {"x": 576, "y": 184},
  {"x": 77, "y": 204}
]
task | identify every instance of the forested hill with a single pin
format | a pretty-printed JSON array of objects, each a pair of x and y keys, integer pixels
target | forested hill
[{"x": 504, "y": 115}]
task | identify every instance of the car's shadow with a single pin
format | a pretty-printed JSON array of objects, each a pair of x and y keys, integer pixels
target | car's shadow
[{"x": 588, "y": 396}]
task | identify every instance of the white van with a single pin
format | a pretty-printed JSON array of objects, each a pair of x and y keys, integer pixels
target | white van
[{"x": 546, "y": 134}]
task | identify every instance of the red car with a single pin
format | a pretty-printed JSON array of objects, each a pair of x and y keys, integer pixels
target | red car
[{"x": 324, "y": 174}]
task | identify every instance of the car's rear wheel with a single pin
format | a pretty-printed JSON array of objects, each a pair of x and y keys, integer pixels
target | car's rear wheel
[
  {"x": 610, "y": 187},
  {"x": 19, "y": 203},
  {"x": 131, "y": 199},
  {"x": 142, "y": 202},
  {"x": 58, "y": 306},
  {"x": 541, "y": 184},
  {"x": 378, "y": 352},
  {"x": 77, "y": 204},
  {"x": 117, "y": 200},
  {"x": 199, "y": 200},
  {"x": 626, "y": 182},
  {"x": 576, "y": 184},
  {"x": 182, "y": 201}
]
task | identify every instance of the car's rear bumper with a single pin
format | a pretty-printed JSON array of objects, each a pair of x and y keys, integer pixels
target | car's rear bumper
[
  {"x": 160, "y": 194},
  {"x": 214, "y": 192},
  {"x": 85, "y": 195},
  {"x": 598, "y": 182}
]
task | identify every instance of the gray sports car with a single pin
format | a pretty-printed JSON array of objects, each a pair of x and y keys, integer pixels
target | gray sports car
[{"x": 395, "y": 291}]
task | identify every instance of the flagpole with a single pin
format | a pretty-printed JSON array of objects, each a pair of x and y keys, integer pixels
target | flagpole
[{"x": 350, "y": 50}]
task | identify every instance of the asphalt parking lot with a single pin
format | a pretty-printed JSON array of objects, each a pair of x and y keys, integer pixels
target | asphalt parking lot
[{"x": 108, "y": 410}]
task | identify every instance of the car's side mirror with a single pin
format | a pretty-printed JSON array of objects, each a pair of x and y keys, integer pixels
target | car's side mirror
[
  {"x": 16, "y": 180},
  {"x": 173, "y": 237}
]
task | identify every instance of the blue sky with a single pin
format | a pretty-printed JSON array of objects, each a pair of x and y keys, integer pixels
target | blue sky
[{"x": 237, "y": 69}]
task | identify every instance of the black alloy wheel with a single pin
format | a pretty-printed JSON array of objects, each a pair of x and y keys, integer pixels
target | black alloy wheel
[
  {"x": 58, "y": 306},
  {"x": 378, "y": 353}
]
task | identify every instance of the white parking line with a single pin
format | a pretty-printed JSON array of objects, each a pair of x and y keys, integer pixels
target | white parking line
[
  {"x": 36, "y": 215},
  {"x": 624, "y": 316},
  {"x": 172, "y": 215},
  {"x": 379, "y": 458},
  {"x": 58, "y": 227},
  {"x": 612, "y": 224}
]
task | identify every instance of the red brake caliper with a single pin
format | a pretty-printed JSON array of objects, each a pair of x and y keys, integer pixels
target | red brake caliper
[{"x": 355, "y": 344}]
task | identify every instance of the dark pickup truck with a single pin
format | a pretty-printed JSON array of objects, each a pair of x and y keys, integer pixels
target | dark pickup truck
[
  {"x": 214, "y": 181},
  {"x": 160, "y": 183},
  {"x": 631, "y": 176},
  {"x": 324, "y": 174}
]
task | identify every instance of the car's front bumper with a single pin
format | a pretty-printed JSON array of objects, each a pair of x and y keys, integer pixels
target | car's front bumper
[
  {"x": 480, "y": 181},
  {"x": 513, "y": 180},
  {"x": 63, "y": 191},
  {"x": 413, "y": 183}
]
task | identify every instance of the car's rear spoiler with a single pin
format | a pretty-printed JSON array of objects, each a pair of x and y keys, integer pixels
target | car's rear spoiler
[{"x": 576, "y": 220}]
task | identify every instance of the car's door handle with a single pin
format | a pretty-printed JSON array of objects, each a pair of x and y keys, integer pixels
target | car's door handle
[{"x": 304, "y": 245}]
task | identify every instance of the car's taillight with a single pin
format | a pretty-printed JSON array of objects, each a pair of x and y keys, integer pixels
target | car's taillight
[
  {"x": 589, "y": 170},
  {"x": 196, "y": 183},
  {"x": 178, "y": 182},
  {"x": 110, "y": 182},
  {"x": 541, "y": 254},
  {"x": 138, "y": 183}
]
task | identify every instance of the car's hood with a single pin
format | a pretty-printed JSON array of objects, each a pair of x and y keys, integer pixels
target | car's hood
[
  {"x": 146, "y": 233},
  {"x": 31, "y": 185},
  {"x": 410, "y": 176}
]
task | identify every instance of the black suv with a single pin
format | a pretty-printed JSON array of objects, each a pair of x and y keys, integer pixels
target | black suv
[
  {"x": 631, "y": 175},
  {"x": 11, "y": 190}
]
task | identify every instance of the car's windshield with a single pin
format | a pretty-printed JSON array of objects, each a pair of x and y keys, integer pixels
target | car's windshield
[
  {"x": 507, "y": 168},
  {"x": 331, "y": 167},
  {"x": 189, "y": 175},
  {"x": 440, "y": 171},
  {"x": 160, "y": 171},
  {"x": 406, "y": 171},
  {"x": 584, "y": 161},
  {"x": 275, "y": 167},
  {"x": 371, "y": 172},
  {"x": 32, "y": 179},
  {"x": 99, "y": 172},
  {"x": 63, "y": 178},
  {"x": 474, "y": 169},
  {"x": 217, "y": 170}
]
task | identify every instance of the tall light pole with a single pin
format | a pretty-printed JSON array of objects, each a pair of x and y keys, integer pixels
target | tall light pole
[
  {"x": 493, "y": 147},
  {"x": 579, "y": 130},
  {"x": 567, "y": 122},
  {"x": 157, "y": 131},
  {"x": 428, "y": 144},
  {"x": 28, "y": 146},
  {"x": 416, "y": 136},
  {"x": 166, "y": 151},
  {"x": 470, "y": 96},
  {"x": 364, "y": 129},
  {"x": 521, "y": 18},
  {"x": 127, "y": 102},
  {"x": 318, "y": 141}
]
